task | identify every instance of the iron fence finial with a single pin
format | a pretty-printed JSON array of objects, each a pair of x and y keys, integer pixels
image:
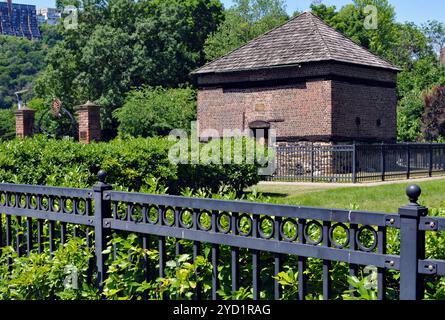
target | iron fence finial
[
  {"x": 101, "y": 175},
  {"x": 413, "y": 192}
]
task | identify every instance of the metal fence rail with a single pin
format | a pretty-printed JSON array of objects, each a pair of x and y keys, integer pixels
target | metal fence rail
[
  {"x": 399, "y": 161},
  {"x": 357, "y": 162},
  {"x": 259, "y": 228}
]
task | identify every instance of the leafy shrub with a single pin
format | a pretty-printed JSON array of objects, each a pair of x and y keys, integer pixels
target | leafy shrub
[
  {"x": 42, "y": 276},
  {"x": 360, "y": 290},
  {"x": 45, "y": 161},
  {"x": 39, "y": 277},
  {"x": 156, "y": 111},
  {"x": 133, "y": 164},
  {"x": 126, "y": 278},
  {"x": 230, "y": 163},
  {"x": 183, "y": 276},
  {"x": 125, "y": 274},
  {"x": 409, "y": 114}
]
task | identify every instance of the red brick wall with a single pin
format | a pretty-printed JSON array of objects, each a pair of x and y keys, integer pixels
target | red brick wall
[
  {"x": 294, "y": 110},
  {"x": 319, "y": 109},
  {"x": 369, "y": 104}
]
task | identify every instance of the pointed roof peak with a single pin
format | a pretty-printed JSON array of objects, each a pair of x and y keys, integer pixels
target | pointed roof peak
[{"x": 304, "y": 38}]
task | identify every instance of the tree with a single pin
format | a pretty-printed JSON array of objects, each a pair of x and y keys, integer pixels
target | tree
[
  {"x": 246, "y": 20},
  {"x": 156, "y": 111},
  {"x": 409, "y": 114},
  {"x": 121, "y": 44},
  {"x": 433, "y": 120},
  {"x": 7, "y": 124},
  {"x": 327, "y": 13},
  {"x": 412, "y": 46},
  {"x": 20, "y": 62},
  {"x": 435, "y": 31},
  {"x": 170, "y": 39},
  {"x": 350, "y": 20}
]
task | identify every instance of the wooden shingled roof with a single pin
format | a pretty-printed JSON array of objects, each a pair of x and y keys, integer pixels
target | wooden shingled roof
[{"x": 305, "y": 38}]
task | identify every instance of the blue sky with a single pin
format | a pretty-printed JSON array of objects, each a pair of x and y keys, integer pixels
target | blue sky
[{"x": 417, "y": 11}]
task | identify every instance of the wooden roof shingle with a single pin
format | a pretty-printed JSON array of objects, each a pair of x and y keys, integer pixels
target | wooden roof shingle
[{"x": 305, "y": 38}]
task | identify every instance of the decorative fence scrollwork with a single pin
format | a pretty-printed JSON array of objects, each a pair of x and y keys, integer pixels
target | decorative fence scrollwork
[
  {"x": 357, "y": 238},
  {"x": 61, "y": 121}
]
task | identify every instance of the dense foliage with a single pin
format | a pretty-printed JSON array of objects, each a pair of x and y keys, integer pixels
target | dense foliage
[
  {"x": 133, "y": 164},
  {"x": 20, "y": 62},
  {"x": 244, "y": 21},
  {"x": 122, "y": 44},
  {"x": 7, "y": 124},
  {"x": 156, "y": 111},
  {"x": 136, "y": 57},
  {"x": 44, "y": 276}
]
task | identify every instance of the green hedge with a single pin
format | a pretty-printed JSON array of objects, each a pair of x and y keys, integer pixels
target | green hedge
[{"x": 135, "y": 164}]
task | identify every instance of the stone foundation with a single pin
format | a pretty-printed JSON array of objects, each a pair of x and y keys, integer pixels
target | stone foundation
[{"x": 319, "y": 159}]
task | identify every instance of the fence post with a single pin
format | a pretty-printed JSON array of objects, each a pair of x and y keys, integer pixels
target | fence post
[
  {"x": 430, "y": 167},
  {"x": 408, "y": 162},
  {"x": 354, "y": 163},
  {"x": 312, "y": 162},
  {"x": 412, "y": 246},
  {"x": 102, "y": 210},
  {"x": 382, "y": 161}
]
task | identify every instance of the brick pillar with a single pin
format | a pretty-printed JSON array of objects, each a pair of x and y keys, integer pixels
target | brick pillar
[
  {"x": 89, "y": 122},
  {"x": 24, "y": 122}
]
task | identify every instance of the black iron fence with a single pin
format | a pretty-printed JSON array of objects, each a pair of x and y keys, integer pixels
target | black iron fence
[
  {"x": 358, "y": 163},
  {"x": 259, "y": 228}
]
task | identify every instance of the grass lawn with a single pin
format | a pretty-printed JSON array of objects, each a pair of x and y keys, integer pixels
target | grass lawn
[{"x": 387, "y": 198}]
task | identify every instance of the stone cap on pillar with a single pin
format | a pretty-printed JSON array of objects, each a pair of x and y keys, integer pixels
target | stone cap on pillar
[
  {"x": 87, "y": 105},
  {"x": 25, "y": 109}
]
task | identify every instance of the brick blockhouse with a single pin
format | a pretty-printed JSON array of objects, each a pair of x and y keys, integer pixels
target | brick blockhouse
[{"x": 305, "y": 80}]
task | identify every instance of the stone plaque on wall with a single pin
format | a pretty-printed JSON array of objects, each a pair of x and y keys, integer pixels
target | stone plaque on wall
[{"x": 260, "y": 107}]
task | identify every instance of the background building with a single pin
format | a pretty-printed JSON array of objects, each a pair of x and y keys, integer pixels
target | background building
[
  {"x": 306, "y": 81},
  {"x": 18, "y": 20},
  {"x": 49, "y": 16}
]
